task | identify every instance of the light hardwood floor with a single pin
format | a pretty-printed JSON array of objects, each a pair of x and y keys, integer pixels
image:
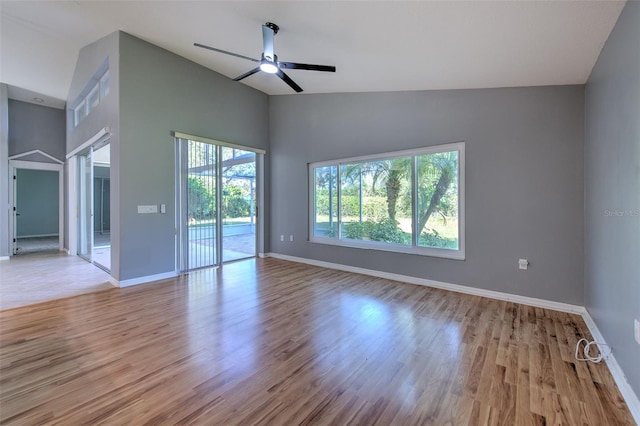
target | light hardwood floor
[
  {"x": 37, "y": 277},
  {"x": 273, "y": 342}
]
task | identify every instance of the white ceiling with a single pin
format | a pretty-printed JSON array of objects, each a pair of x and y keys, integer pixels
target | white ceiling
[{"x": 376, "y": 46}]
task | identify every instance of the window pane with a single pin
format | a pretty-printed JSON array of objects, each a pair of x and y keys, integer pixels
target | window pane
[
  {"x": 325, "y": 222},
  {"x": 104, "y": 85},
  {"x": 93, "y": 99},
  {"x": 238, "y": 180},
  {"x": 351, "y": 214},
  {"x": 437, "y": 194},
  {"x": 80, "y": 112},
  {"x": 376, "y": 201}
]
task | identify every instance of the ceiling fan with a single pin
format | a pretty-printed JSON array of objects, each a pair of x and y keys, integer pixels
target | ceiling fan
[{"x": 269, "y": 62}]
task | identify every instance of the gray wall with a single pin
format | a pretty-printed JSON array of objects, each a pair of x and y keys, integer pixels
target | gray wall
[
  {"x": 37, "y": 202},
  {"x": 4, "y": 174},
  {"x": 152, "y": 93},
  {"x": 90, "y": 65},
  {"x": 612, "y": 208},
  {"x": 161, "y": 92},
  {"x": 524, "y": 178},
  {"x": 34, "y": 127}
]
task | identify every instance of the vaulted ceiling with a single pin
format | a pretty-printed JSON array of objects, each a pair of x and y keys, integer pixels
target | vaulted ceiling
[{"x": 375, "y": 45}]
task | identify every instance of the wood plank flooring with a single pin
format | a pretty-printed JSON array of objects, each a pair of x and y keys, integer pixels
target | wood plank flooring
[{"x": 273, "y": 342}]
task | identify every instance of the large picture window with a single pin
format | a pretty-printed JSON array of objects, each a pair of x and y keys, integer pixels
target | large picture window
[{"x": 406, "y": 201}]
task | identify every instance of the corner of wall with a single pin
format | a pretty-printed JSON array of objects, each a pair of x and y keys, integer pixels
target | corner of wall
[{"x": 4, "y": 177}]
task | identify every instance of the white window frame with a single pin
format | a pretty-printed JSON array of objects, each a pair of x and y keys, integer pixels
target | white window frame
[
  {"x": 92, "y": 93},
  {"x": 83, "y": 104},
  {"x": 458, "y": 254},
  {"x": 79, "y": 112},
  {"x": 103, "y": 92}
]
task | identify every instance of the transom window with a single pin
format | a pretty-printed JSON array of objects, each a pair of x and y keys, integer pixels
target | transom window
[
  {"x": 92, "y": 99},
  {"x": 405, "y": 201}
]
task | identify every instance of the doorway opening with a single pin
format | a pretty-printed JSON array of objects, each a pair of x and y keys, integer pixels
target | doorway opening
[
  {"x": 37, "y": 219},
  {"x": 217, "y": 203}
]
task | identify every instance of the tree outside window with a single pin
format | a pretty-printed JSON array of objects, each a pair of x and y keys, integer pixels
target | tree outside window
[{"x": 407, "y": 201}]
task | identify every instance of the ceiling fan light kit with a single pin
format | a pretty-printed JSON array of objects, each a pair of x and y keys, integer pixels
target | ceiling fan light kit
[
  {"x": 269, "y": 65},
  {"x": 269, "y": 61}
]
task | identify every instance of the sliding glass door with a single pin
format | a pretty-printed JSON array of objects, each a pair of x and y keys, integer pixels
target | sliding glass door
[
  {"x": 101, "y": 252},
  {"x": 238, "y": 204},
  {"x": 85, "y": 205},
  {"x": 94, "y": 204},
  {"x": 216, "y": 198},
  {"x": 200, "y": 213}
]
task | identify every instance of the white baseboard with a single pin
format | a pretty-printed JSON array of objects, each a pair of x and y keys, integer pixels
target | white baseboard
[
  {"x": 627, "y": 392},
  {"x": 530, "y": 301},
  {"x": 143, "y": 280},
  {"x": 4, "y": 258},
  {"x": 38, "y": 236}
]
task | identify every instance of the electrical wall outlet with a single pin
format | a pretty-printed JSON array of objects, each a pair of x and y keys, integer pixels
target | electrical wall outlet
[
  {"x": 523, "y": 263},
  {"x": 636, "y": 330},
  {"x": 281, "y": 237},
  {"x": 291, "y": 238}
]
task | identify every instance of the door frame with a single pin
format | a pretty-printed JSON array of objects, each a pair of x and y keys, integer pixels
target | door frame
[
  {"x": 181, "y": 251},
  {"x": 72, "y": 185},
  {"x": 82, "y": 196},
  {"x": 14, "y": 165}
]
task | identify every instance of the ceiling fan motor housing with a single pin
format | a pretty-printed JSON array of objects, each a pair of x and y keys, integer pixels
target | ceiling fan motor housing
[
  {"x": 269, "y": 59},
  {"x": 273, "y": 27}
]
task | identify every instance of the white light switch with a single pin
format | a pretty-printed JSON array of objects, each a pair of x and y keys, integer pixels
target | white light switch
[
  {"x": 147, "y": 209},
  {"x": 523, "y": 263},
  {"x": 163, "y": 208}
]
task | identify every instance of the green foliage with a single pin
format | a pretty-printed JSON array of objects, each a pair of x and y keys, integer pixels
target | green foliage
[
  {"x": 200, "y": 199},
  {"x": 323, "y": 229},
  {"x": 431, "y": 238},
  {"x": 385, "y": 230},
  {"x": 437, "y": 186},
  {"x": 235, "y": 202},
  {"x": 374, "y": 208},
  {"x": 322, "y": 201},
  {"x": 350, "y": 205}
]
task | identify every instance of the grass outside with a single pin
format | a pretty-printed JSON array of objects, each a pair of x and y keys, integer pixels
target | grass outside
[{"x": 438, "y": 232}]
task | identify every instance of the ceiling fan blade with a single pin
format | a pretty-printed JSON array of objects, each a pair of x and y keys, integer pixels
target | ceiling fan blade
[
  {"x": 225, "y": 52},
  {"x": 309, "y": 67},
  {"x": 267, "y": 41},
  {"x": 290, "y": 82},
  {"x": 247, "y": 74}
]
